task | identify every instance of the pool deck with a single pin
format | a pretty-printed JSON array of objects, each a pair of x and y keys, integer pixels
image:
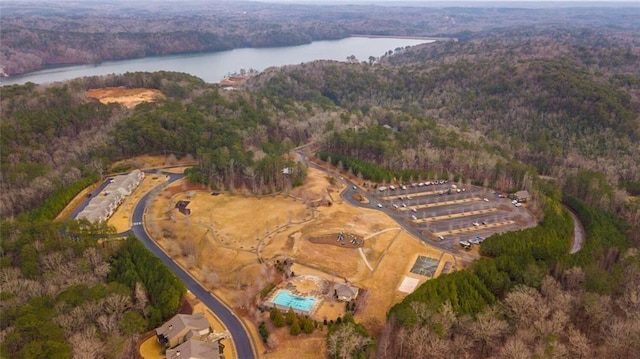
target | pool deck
[{"x": 290, "y": 287}]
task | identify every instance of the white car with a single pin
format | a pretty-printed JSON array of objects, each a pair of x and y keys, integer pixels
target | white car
[
  {"x": 476, "y": 224},
  {"x": 485, "y": 199},
  {"x": 379, "y": 205},
  {"x": 441, "y": 238},
  {"x": 414, "y": 217},
  {"x": 354, "y": 188},
  {"x": 414, "y": 210},
  {"x": 404, "y": 205},
  {"x": 395, "y": 206},
  {"x": 518, "y": 204}
]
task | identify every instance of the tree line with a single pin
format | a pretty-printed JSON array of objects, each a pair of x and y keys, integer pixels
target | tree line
[
  {"x": 536, "y": 100},
  {"x": 64, "y": 295},
  {"x": 540, "y": 300}
]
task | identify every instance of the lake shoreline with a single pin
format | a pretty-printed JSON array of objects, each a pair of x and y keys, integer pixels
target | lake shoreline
[
  {"x": 213, "y": 67},
  {"x": 428, "y": 38}
]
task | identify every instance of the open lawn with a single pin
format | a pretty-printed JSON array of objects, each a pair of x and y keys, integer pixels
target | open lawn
[{"x": 231, "y": 243}]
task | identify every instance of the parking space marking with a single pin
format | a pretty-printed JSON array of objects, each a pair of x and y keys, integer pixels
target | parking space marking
[
  {"x": 456, "y": 215},
  {"x": 414, "y": 195},
  {"x": 474, "y": 228},
  {"x": 439, "y": 204}
]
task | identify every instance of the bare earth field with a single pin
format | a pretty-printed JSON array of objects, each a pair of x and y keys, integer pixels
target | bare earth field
[
  {"x": 231, "y": 243},
  {"x": 128, "y": 97}
]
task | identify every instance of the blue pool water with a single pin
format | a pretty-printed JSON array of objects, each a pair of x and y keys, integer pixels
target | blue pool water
[{"x": 286, "y": 299}]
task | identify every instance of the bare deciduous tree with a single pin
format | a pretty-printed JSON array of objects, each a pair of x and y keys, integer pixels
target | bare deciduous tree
[
  {"x": 116, "y": 305},
  {"x": 140, "y": 298},
  {"x": 488, "y": 329},
  {"x": 579, "y": 345},
  {"x": 525, "y": 306},
  {"x": 345, "y": 342},
  {"x": 515, "y": 348},
  {"x": 108, "y": 324},
  {"x": 87, "y": 345}
]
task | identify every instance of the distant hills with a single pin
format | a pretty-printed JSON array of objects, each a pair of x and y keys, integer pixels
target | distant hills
[{"x": 36, "y": 35}]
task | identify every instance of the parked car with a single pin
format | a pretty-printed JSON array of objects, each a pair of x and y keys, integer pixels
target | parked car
[{"x": 379, "y": 205}]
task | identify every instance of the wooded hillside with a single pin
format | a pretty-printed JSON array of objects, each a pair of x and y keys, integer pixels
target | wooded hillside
[
  {"x": 37, "y": 34},
  {"x": 496, "y": 110},
  {"x": 556, "y": 100}
]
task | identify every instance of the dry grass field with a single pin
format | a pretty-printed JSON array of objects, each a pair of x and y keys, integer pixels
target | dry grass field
[{"x": 230, "y": 243}]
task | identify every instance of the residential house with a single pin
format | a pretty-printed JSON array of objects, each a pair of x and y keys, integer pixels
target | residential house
[
  {"x": 345, "y": 292},
  {"x": 195, "y": 349},
  {"x": 181, "y": 328},
  {"x": 102, "y": 206}
]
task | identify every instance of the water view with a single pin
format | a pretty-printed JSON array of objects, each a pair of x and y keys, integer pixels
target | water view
[{"x": 213, "y": 67}]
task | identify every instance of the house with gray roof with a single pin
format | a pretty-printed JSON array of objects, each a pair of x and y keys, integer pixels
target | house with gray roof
[
  {"x": 345, "y": 292},
  {"x": 102, "y": 206},
  {"x": 183, "y": 327},
  {"x": 195, "y": 349}
]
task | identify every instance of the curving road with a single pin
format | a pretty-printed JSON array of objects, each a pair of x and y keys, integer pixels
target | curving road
[
  {"x": 240, "y": 337},
  {"x": 578, "y": 232}
]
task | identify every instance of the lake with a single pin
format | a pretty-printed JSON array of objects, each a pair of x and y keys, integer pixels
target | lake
[{"x": 213, "y": 67}]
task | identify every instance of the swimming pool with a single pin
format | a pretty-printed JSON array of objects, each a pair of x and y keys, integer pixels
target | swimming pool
[{"x": 286, "y": 299}]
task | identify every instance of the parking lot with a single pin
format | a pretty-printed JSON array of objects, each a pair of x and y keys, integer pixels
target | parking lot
[{"x": 449, "y": 213}]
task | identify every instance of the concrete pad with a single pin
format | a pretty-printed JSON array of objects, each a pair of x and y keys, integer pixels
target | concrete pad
[{"x": 408, "y": 284}]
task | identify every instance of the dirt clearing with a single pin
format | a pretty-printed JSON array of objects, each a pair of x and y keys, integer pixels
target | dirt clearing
[{"x": 128, "y": 97}]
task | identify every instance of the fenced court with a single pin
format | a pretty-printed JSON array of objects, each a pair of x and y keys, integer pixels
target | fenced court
[{"x": 425, "y": 266}]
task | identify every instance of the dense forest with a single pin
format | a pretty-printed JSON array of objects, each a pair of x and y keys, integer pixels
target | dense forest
[
  {"x": 527, "y": 297},
  {"x": 37, "y": 34},
  {"x": 554, "y": 111},
  {"x": 64, "y": 295},
  {"x": 563, "y": 107},
  {"x": 53, "y": 136}
]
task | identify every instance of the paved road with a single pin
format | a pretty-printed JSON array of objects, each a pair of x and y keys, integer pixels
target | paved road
[
  {"x": 239, "y": 336},
  {"x": 578, "y": 232}
]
